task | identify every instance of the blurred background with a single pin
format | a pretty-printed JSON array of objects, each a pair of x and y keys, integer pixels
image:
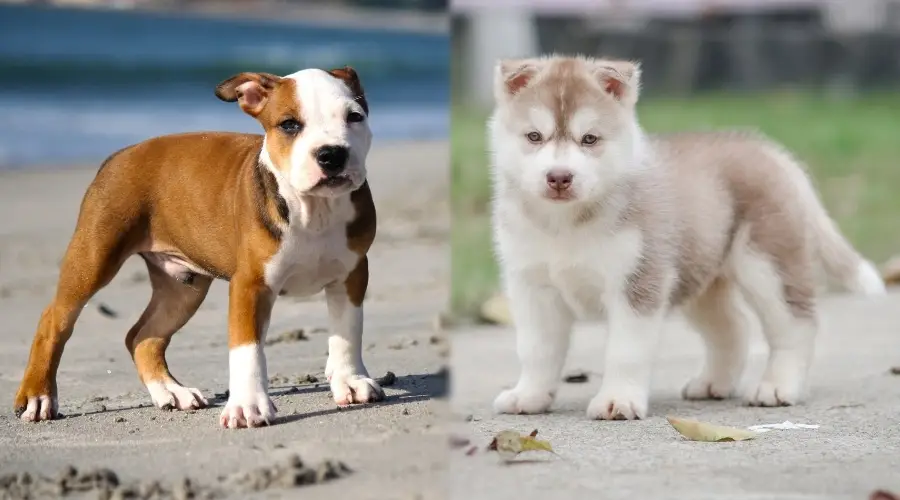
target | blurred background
[
  {"x": 820, "y": 76},
  {"x": 80, "y": 79}
]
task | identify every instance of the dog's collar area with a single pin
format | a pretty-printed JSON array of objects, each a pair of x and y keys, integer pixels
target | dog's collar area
[{"x": 267, "y": 189}]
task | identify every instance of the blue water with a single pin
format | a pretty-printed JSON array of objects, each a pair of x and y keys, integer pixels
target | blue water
[{"x": 76, "y": 85}]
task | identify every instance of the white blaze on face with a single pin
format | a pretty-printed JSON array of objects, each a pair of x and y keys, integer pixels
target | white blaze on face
[
  {"x": 541, "y": 158},
  {"x": 594, "y": 167},
  {"x": 325, "y": 102}
]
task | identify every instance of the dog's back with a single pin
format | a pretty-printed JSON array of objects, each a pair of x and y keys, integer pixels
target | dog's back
[
  {"x": 153, "y": 185},
  {"x": 732, "y": 181}
]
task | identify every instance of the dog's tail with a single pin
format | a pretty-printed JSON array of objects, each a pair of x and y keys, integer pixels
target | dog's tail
[{"x": 842, "y": 264}]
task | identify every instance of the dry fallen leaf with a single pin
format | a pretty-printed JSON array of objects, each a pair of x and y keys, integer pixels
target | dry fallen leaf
[
  {"x": 701, "y": 431},
  {"x": 510, "y": 443},
  {"x": 891, "y": 271},
  {"x": 496, "y": 310},
  {"x": 883, "y": 495}
]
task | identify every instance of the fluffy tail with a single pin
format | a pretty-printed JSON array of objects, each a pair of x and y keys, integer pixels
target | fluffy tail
[{"x": 842, "y": 264}]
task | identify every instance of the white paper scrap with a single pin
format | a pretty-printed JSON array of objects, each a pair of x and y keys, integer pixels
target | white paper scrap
[{"x": 786, "y": 425}]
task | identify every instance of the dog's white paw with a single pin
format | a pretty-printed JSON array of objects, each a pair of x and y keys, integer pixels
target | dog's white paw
[
  {"x": 619, "y": 403},
  {"x": 705, "y": 386},
  {"x": 253, "y": 409},
  {"x": 39, "y": 408},
  {"x": 173, "y": 396},
  {"x": 769, "y": 393},
  {"x": 349, "y": 389},
  {"x": 518, "y": 401}
]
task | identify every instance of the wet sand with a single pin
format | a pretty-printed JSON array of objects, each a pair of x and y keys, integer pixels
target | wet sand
[{"x": 396, "y": 448}]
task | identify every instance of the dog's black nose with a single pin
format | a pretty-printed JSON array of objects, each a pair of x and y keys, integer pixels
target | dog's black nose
[{"x": 332, "y": 159}]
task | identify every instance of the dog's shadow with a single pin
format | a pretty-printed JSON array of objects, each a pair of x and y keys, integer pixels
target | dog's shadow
[
  {"x": 421, "y": 387},
  {"x": 415, "y": 387}
]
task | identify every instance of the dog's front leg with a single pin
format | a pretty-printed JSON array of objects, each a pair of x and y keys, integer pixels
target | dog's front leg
[
  {"x": 543, "y": 323},
  {"x": 349, "y": 379},
  {"x": 633, "y": 337},
  {"x": 249, "y": 309}
]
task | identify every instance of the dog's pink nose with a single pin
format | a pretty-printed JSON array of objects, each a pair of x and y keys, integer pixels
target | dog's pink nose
[{"x": 559, "y": 180}]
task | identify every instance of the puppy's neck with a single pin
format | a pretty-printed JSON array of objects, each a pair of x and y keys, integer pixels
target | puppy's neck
[
  {"x": 557, "y": 218},
  {"x": 317, "y": 213},
  {"x": 309, "y": 213}
]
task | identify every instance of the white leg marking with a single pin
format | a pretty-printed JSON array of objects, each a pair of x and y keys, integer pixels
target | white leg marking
[
  {"x": 170, "y": 395},
  {"x": 791, "y": 339},
  {"x": 631, "y": 348},
  {"x": 720, "y": 316},
  {"x": 40, "y": 408},
  {"x": 248, "y": 401},
  {"x": 348, "y": 377},
  {"x": 543, "y": 329}
]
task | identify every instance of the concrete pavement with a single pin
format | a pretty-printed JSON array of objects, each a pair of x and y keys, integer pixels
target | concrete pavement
[{"x": 853, "y": 397}]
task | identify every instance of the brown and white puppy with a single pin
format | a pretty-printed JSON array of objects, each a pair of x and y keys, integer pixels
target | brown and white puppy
[
  {"x": 595, "y": 218},
  {"x": 284, "y": 213}
]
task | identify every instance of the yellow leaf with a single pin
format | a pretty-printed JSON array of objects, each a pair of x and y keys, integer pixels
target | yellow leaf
[
  {"x": 531, "y": 443},
  {"x": 701, "y": 431},
  {"x": 891, "y": 271},
  {"x": 510, "y": 443},
  {"x": 496, "y": 310}
]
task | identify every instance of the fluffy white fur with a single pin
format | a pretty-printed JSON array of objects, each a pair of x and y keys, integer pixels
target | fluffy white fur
[{"x": 650, "y": 224}]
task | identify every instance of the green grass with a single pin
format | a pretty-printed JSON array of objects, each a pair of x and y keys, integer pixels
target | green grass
[{"x": 851, "y": 147}]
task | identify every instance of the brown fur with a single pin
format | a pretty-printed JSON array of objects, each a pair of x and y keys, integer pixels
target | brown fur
[{"x": 202, "y": 199}]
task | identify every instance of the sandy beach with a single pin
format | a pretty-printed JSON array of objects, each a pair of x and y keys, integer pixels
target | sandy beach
[{"x": 396, "y": 448}]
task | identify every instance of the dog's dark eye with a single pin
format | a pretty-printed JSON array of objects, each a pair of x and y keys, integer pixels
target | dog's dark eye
[
  {"x": 589, "y": 139},
  {"x": 354, "y": 117},
  {"x": 290, "y": 126},
  {"x": 534, "y": 137}
]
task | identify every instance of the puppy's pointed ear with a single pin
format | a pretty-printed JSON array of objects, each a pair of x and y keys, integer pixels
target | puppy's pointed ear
[
  {"x": 512, "y": 75},
  {"x": 620, "y": 79},
  {"x": 351, "y": 79},
  {"x": 250, "y": 90}
]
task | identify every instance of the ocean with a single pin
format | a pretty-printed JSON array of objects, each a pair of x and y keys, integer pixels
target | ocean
[{"x": 76, "y": 85}]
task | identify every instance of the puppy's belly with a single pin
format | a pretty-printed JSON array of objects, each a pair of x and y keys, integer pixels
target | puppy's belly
[
  {"x": 304, "y": 282},
  {"x": 177, "y": 267},
  {"x": 580, "y": 287},
  {"x": 582, "y": 291}
]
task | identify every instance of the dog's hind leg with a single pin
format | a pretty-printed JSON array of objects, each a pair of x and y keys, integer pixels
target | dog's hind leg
[
  {"x": 172, "y": 304},
  {"x": 777, "y": 278},
  {"x": 93, "y": 258},
  {"x": 721, "y": 318}
]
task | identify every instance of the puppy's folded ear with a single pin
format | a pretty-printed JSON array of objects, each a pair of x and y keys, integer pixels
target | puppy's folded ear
[
  {"x": 250, "y": 90},
  {"x": 512, "y": 75},
  {"x": 351, "y": 79},
  {"x": 620, "y": 79}
]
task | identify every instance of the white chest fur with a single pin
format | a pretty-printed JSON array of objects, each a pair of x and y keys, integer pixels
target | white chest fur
[
  {"x": 583, "y": 264},
  {"x": 313, "y": 251}
]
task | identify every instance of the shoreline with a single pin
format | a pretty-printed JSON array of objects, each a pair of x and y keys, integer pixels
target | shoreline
[{"x": 8, "y": 170}]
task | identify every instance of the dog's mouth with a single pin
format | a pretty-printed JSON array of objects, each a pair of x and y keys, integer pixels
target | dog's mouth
[
  {"x": 333, "y": 182},
  {"x": 559, "y": 196}
]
